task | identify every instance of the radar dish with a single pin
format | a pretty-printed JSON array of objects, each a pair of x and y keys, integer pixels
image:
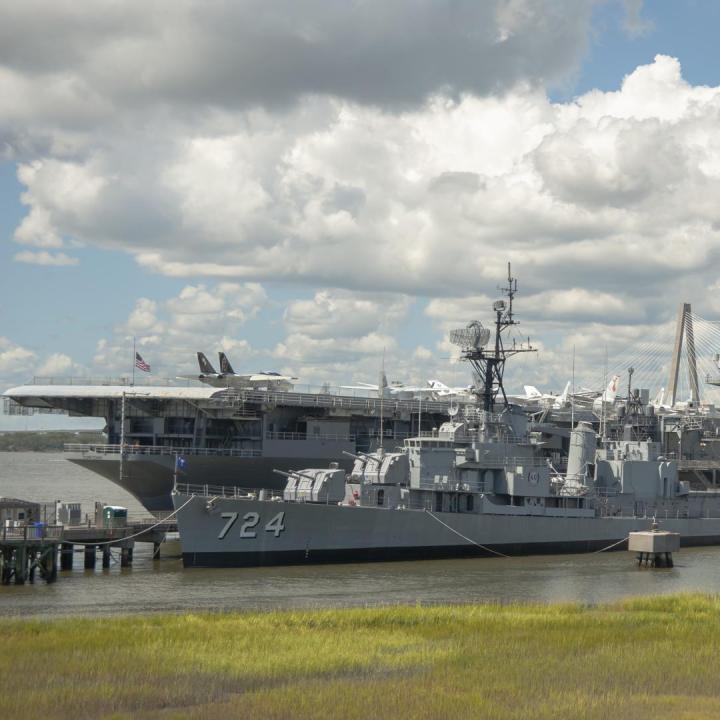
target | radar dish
[{"x": 472, "y": 337}]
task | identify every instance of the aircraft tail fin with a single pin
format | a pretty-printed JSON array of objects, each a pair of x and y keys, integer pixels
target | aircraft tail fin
[
  {"x": 225, "y": 366},
  {"x": 562, "y": 399},
  {"x": 205, "y": 367},
  {"x": 531, "y": 391},
  {"x": 611, "y": 390},
  {"x": 659, "y": 398}
]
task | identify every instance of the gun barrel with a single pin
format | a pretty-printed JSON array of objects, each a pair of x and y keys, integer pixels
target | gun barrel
[
  {"x": 359, "y": 456},
  {"x": 293, "y": 473}
]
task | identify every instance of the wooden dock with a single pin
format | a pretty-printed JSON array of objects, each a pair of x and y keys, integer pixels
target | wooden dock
[{"x": 28, "y": 550}]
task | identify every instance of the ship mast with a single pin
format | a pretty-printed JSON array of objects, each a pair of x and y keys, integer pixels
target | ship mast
[{"x": 488, "y": 361}]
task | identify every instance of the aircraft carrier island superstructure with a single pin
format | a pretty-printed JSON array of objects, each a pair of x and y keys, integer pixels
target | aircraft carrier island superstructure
[{"x": 227, "y": 436}]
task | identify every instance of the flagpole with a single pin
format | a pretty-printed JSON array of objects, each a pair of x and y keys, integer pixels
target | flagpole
[{"x": 133, "y": 362}]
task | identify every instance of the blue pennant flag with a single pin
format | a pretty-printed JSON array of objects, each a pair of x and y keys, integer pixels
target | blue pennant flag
[{"x": 180, "y": 463}]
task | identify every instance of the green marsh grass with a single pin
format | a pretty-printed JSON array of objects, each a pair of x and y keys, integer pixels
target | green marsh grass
[{"x": 643, "y": 658}]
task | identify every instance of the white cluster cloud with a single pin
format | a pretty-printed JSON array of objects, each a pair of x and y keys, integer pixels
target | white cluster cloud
[
  {"x": 19, "y": 364},
  {"x": 608, "y": 194},
  {"x": 381, "y": 152},
  {"x": 341, "y": 327},
  {"x": 57, "y": 364},
  {"x": 14, "y": 359},
  {"x": 45, "y": 258},
  {"x": 168, "y": 333}
]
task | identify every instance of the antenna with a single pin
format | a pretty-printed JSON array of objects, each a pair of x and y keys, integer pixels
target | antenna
[
  {"x": 381, "y": 387},
  {"x": 602, "y": 397},
  {"x": 489, "y": 362},
  {"x": 572, "y": 397}
]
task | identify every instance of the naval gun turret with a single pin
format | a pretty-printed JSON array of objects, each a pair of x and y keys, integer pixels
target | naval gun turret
[{"x": 322, "y": 485}]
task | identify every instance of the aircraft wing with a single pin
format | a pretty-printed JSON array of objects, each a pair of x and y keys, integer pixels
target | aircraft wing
[
  {"x": 264, "y": 377},
  {"x": 207, "y": 376}
]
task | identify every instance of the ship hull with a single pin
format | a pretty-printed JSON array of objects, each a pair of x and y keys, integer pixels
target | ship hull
[
  {"x": 313, "y": 533},
  {"x": 149, "y": 478}
]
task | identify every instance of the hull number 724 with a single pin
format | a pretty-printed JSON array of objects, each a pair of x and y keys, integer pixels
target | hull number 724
[{"x": 250, "y": 522}]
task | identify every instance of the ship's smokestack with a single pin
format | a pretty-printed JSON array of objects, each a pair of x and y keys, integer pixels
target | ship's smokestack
[{"x": 582, "y": 453}]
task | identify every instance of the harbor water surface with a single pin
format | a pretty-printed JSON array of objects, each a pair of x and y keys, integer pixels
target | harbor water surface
[{"x": 159, "y": 586}]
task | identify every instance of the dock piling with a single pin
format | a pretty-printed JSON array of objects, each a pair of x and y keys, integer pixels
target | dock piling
[
  {"x": 90, "y": 556},
  {"x": 66, "y": 556},
  {"x": 20, "y": 565},
  {"x": 126, "y": 556}
]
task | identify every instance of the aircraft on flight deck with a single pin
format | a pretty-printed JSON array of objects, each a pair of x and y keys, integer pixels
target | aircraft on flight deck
[
  {"x": 393, "y": 390},
  {"x": 227, "y": 377}
]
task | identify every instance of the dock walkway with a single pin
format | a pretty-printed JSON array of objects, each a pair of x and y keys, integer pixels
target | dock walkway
[{"x": 29, "y": 549}]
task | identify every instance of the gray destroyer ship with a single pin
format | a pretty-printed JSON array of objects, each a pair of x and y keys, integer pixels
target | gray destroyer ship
[{"x": 481, "y": 484}]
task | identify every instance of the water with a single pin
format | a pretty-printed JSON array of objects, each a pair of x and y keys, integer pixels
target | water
[{"x": 164, "y": 586}]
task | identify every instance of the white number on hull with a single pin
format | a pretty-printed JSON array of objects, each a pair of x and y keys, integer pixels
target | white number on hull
[
  {"x": 231, "y": 518},
  {"x": 276, "y": 525},
  {"x": 251, "y": 520},
  {"x": 246, "y": 529}
]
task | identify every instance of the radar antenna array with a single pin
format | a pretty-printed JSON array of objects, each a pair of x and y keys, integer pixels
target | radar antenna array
[
  {"x": 489, "y": 362},
  {"x": 472, "y": 337}
]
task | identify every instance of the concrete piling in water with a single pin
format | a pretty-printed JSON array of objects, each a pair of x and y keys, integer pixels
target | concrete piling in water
[
  {"x": 654, "y": 548},
  {"x": 106, "y": 557}
]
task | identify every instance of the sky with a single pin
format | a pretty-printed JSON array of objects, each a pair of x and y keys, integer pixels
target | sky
[{"x": 313, "y": 187}]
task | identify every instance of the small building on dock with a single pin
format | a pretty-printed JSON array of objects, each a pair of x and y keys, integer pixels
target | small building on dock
[{"x": 14, "y": 510}]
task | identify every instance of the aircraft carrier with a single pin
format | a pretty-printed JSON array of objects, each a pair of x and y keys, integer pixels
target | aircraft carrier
[{"x": 226, "y": 436}]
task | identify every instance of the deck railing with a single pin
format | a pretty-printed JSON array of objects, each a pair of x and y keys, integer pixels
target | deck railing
[
  {"x": 225, "y": 491},
  {"x": 128, "y": 450},
  {"x": 308, "y": 436},
  {"x": 38, "y": 531}
]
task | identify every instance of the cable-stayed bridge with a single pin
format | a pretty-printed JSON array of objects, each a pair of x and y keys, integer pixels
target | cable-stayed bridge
[{"x": 675, "y": 372}]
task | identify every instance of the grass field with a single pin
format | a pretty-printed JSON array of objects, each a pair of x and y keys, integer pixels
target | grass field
[{"x": 645, "y": 658}]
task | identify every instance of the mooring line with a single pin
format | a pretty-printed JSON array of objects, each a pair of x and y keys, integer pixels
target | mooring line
[
  {"x": 467, "y": 539},
  {"x": 595, "y": 552},
  {"x": 142, "y": 532}
]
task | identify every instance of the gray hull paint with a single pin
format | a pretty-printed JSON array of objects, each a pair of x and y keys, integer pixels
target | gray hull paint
[
  {"x": 149, "y": 478},
  {"x": 326, "y": 533}
]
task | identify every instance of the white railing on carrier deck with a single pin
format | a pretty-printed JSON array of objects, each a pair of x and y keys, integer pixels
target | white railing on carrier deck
[
  {"x": 99, "y": 449},
  {"x": 308, "y": 436}
]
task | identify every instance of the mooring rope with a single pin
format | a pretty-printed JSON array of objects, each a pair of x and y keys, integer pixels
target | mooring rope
[
  {"x": 595, "y": 552},
  {"x": 459, "y": 534},
  {"x": 142, "y": 532}
]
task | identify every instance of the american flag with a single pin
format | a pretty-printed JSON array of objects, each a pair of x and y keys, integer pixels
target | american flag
[{"x": 140, "y": 364}]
